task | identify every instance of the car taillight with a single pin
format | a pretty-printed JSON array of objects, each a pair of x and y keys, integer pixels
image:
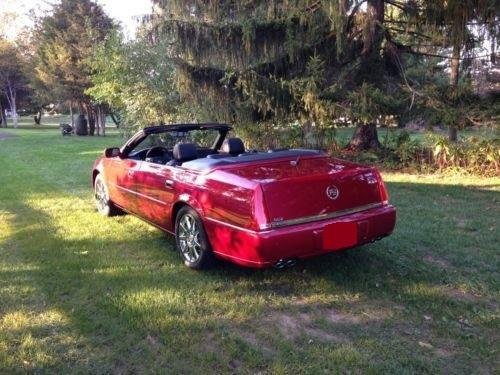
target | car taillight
[
  {"x": 384, "y": 194},
  {"x": 260, "y": 216}
]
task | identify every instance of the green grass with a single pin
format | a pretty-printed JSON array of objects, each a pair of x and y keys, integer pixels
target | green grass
[{"x": 82, "y": 293}]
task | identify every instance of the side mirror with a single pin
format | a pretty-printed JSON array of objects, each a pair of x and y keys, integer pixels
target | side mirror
[{"x": 112, "y": 152}]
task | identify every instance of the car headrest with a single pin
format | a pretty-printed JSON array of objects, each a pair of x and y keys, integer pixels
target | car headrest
[
  {"x": 185, "y": 152},
  {"x": 233, "y": 146}
]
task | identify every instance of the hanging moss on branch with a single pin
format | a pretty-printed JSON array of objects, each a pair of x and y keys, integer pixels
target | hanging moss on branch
[
  {"x": 240, "y": 45},
  {"x": 219, "y": 11}
]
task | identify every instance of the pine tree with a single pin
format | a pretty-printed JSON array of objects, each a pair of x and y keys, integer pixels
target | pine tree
[
  {"x": 252, "y": 61},
  {"x": 281, "y": 61}
]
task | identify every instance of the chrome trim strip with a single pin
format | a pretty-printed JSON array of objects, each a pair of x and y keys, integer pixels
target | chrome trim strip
[
  {"x": 139, "y": 194},
  {"x": 308, "y": 219},
  {"x": 237, "y": 258},
  {"x": 302, "y": 220},
  {"x": 231, "y": 225}
]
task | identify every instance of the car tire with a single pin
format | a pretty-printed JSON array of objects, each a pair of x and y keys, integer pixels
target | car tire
[
  {"x": 103, "y": 204},
  {"x": 191, "y": 240}
]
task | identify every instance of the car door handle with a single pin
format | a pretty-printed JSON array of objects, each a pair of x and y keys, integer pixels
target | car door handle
[{"x": 169, "y": 183}]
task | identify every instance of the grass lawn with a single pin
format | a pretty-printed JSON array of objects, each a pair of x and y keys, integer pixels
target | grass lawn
[
  {"x": 48, "y": 122},
  {"x": 82, "y": 293}
]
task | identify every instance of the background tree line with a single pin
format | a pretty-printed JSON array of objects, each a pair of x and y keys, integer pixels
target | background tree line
[
  {"x": 302, "y": 67},
  {"x": 51, "y": 64},
  {"x": 324, "y": 63}
]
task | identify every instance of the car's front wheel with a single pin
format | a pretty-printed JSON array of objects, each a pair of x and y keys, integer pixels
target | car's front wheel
[
  {"x": 191, "y": 240},
  {"x": 103, "y": 203}
]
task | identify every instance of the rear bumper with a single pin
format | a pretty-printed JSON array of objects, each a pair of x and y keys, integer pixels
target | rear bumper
[{"x": 265, "y": 248}]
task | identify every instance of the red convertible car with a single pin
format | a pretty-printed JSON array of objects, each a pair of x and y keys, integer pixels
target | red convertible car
[{"x": 256, "y": 209}]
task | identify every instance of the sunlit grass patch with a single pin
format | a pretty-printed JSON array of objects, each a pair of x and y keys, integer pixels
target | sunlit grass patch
[
  {"x": 5, "y": 227},
  {"x": 450, "y": 179},
  {"x": 37, "y": 340},
  {"x": 49, "y": 320},
  {"x": 95, "y": 153}
]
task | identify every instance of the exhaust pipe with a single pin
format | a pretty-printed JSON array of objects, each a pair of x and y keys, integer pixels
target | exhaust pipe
[
  {"x": 377, "y": 239},
  {"x": 285, "y": 263},
  {"x": 280, "y": 264}
]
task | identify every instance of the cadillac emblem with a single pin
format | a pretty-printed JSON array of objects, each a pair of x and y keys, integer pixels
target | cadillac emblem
[{"x": 332, "y": 192}]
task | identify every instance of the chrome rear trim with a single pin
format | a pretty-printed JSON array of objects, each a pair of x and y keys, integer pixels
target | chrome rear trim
[{"x": 331, "y": 215}]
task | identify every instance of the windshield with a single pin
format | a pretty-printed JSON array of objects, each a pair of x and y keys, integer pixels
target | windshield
[{"x": 202, "y": 138}]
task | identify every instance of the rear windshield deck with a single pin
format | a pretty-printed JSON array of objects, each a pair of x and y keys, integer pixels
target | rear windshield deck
[{"x": 207, "y": 163}]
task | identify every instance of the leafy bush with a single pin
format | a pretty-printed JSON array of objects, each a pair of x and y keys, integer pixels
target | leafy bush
[
  {"x": 469, "y": 154},
  {"x": 400, "y": 150},
  {"x": 472, "y": 155},
  {"x": 409, "y": 152},
  {"x": 136, "y": 82}
]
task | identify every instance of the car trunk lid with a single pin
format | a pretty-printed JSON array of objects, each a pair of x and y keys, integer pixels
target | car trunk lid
[{"x": 310, "y": 188}]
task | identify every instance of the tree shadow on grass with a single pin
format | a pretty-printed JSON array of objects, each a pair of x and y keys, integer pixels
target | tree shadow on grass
[{"x": 142, "y": 309}]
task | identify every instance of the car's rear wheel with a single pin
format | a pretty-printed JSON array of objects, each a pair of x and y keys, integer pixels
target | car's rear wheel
[
  {"x": 103, "y": 203},
  {"x": 191, "y": 240}
]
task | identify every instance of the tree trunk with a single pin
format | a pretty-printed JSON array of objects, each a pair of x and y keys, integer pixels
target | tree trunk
[
  {"x": 91, "y": 119},
  {"x": 374, "y": 35},
  {"x": 455, "y": 65},
  {"x": 14, "y": 112},
  {"x": 103, "y": 122},
  {"x": 11, "y": 98},
  {"x": 38, "y": 117},
  {"x": 96, "y": 119},
  {"x": 72, "y": 114},
  {"x": 3, "y": 120},
  {"x": 454, "y": 73},
  {"x": 115, "y": 120},
  {"x": 365, "y": 137},
  {"x": 493, "y": 56},
  {"x": 102, "y": 119},
  {"x": 452, "y": 133}
]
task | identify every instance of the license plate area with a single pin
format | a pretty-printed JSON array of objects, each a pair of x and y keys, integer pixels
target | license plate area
[{"x": 340, "y": 235}]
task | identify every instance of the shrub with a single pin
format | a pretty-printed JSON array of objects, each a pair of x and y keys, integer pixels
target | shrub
[
  {"x": 472, "y": 155},
  {"x": 400, "y": 149}
]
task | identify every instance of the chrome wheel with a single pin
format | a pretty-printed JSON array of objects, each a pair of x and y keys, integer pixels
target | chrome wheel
[
  {"x": 101, "y": 195},
  {"x": 189, "y": 238},
  {"x": 102, "y": 201}
]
